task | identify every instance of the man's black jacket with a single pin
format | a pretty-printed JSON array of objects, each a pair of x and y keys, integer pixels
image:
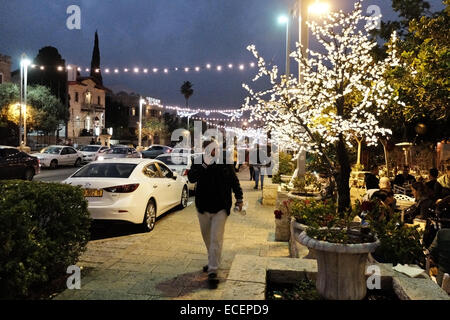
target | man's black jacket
[{"x": 214, "y": 185}]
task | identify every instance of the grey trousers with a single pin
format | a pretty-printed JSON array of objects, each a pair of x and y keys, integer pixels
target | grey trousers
[{"x": 212, "y": 226}]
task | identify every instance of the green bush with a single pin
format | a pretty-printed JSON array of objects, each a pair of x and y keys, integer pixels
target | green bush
[
  {"x": 285, "y": 167},
  {"x": 44, "y": 227}
]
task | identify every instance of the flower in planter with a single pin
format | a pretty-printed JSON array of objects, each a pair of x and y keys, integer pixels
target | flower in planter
[{"x": 278, "y": 214}]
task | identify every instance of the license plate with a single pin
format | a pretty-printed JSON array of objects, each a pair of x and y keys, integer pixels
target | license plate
[{"x": 93, "y": 193}]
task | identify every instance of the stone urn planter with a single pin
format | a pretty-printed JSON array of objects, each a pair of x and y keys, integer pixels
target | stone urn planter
[
  {"x": 304, "y": 196},
  {"x": 296, "y": 229},
  {"x": 286, "y": 178},
  {"x": 341, "y": 267}
]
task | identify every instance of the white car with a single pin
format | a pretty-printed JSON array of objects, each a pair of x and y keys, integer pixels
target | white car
[
  {"x": 54, "y": 156},
  {"x": 180, "y": 163},
  {"x": 91, "y": 152},
  {"x": 132, "y": 190}
]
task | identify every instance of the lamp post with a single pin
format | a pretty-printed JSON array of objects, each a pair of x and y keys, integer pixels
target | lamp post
[
  {"x": 24, "y": 63},
  {"x": 141, "y": 102},
  {"x": 286, "y": 20},
  {"x": 305, "y": 8}
]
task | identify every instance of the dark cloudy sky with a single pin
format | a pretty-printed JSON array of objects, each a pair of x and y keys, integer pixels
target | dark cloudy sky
[{"x": 159, "y": 33}]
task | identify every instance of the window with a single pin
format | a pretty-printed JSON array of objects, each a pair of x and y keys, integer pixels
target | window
[
  {"x": 77, "y": 97},
  {"x": 99, "y": 100},
  {"x": 88, "y": 98},
  {"x": 165, "y": 171},
  {"x": 153, "y": 113},
  {"x": 65, "y": 151},
  {"x": 151, "y": 171},
  {"x": 7, "y": 153},
  {"x": 71, "y": 151},
  {"x": 133, "y": 112},
  {"x": 106, "y": 170},
  {"x": 1, "y": 78}
]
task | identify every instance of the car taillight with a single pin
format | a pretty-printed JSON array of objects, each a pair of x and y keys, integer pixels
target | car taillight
[
  {"x": 127, "y": 188},
  {"x": 185, "y": 173}
]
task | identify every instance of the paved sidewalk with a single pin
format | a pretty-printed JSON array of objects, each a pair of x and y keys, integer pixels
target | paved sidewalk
[{"x": 166, "y": 263}]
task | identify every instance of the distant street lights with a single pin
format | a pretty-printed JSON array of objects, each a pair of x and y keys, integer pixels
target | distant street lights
[{"x": 24, "y": 64}]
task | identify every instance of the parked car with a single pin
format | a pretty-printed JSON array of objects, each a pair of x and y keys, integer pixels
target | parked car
[
  {"x": 119, "y": 153},
  {"x": 15, "y": 164},
  {"x": 155, "y": 150},
  {"x": 132, "y": 190},
  {"x": 54, "y": 156},
  {"x": 183, "y": 150},
  {"x": 179, "y": 163},
  {"x": 91, "y": 152}
]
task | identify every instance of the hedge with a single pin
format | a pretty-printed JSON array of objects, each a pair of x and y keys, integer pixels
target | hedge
[{"x": 44, "y": 228}]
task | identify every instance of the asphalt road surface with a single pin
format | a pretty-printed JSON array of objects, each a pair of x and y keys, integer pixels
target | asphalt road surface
[{"x": 57, "y": 175}]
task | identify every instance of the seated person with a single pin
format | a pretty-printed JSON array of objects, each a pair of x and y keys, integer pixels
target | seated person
[
  {"x": 404, "y": 178},
  {"x": 433, "y": 186},
  {"x": 371, "y": 180},
  {"x": 386, "y": 199},
  {"x": 420, "y": 209},
  {"x": 385, "y": 184},
  {"x": 440, "y": 251},
  {"x": 444, "y": 181}
]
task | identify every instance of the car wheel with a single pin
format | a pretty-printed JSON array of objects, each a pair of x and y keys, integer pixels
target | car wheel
[
  {"x": 150, "y": 216},
  {"x": 184, "y": 198},
  {"x": 29, "y": 174},
  {"x": 77, "y": 163},
  {"x": 54, "y": 164}
]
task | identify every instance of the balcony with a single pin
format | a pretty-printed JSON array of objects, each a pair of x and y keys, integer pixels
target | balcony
[{"x": 90, "y": 107}]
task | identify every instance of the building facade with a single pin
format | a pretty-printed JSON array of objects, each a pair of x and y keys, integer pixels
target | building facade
[
  {"x": 87, "y": 108},
  {"x": 5, "y": 69}
]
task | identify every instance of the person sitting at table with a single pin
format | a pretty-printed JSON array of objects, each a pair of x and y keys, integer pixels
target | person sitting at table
[
  {"x": 444, "y": 181},
  {"x": 385, "y": 184},
  {"x": 440, "y": 251},
  {"x": 433, "y": 186},
  {"x": 420, "y": 209},
  {"x": 404, "y": 178},
  {"x": 371, "y": 180}
]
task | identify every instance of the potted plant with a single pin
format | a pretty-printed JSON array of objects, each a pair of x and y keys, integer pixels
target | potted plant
[
  {"x": 341, "y": 250},
  {"x": 305, "y": 187}
]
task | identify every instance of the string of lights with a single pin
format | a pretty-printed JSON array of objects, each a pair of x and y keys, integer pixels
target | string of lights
[{"x": 152, "y": 70}]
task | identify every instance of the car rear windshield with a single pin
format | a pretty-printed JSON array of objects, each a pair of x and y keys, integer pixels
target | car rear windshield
[
  {"x": 106, "y": 170},
  {"x": 90, "y": 149},
  {"x": 52, "y": 150},
  {"x": 174, "y": 160},
  {"x": 118, "y": 151}
]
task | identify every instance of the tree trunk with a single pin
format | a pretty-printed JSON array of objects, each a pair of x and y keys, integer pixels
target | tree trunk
[{"x": 343, "y": 179}]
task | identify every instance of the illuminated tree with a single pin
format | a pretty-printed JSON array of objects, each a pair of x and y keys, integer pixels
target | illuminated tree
[{"x": 342, "y": 92}]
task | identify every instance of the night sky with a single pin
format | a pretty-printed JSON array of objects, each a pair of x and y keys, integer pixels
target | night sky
[{"x": 160, "y": 33}]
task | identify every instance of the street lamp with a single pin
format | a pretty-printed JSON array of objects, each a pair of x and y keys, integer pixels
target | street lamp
[
  {"x": 24, "y": 64},
  {"x": 285, "y": 20},
  {"x": 141, "y": 103},
  {"x": 304, "y": 9}
]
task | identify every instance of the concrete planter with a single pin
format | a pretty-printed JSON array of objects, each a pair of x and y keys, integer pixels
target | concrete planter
[
  {"x": 269, "y": 192},
  {"x": 285, "y": 178},
  {"x": 297, "y": 250},
  {"x": 282, "y": 229},
  {"x": 341, "y": 267},
  {"x": 315, "y": 196}
]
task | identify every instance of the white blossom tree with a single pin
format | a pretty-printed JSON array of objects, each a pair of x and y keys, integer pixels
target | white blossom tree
[{"x": 340, "y": 96}]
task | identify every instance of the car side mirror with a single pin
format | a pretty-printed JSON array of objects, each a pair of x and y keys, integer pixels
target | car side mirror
[{"x": 174, "y": 175}]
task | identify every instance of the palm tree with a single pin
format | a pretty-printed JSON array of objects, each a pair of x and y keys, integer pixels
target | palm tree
[{"x": 187, "y": 91}]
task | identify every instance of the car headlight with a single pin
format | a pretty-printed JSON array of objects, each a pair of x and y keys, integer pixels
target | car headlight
[{"x": 101, "y": 158}]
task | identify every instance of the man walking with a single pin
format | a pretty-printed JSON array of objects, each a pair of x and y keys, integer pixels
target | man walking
[{"x": 215, "y": 182}]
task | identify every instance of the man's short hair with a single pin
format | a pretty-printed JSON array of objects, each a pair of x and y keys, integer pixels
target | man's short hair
[{"x": 434, "y": 172}]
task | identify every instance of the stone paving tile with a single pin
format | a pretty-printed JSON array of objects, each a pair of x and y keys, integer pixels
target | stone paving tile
[{"x": 166, "y": 263}]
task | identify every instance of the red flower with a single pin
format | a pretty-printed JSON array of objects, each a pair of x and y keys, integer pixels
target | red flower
[
  {"x": 307, "y": 202},
  {"x": 278, "y": 214}
]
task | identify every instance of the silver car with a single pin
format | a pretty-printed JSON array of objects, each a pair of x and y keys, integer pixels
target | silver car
[{"x": 120, "y": 153}]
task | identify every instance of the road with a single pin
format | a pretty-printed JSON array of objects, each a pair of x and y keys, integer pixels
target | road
[{"x": 57, "y": 175}]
